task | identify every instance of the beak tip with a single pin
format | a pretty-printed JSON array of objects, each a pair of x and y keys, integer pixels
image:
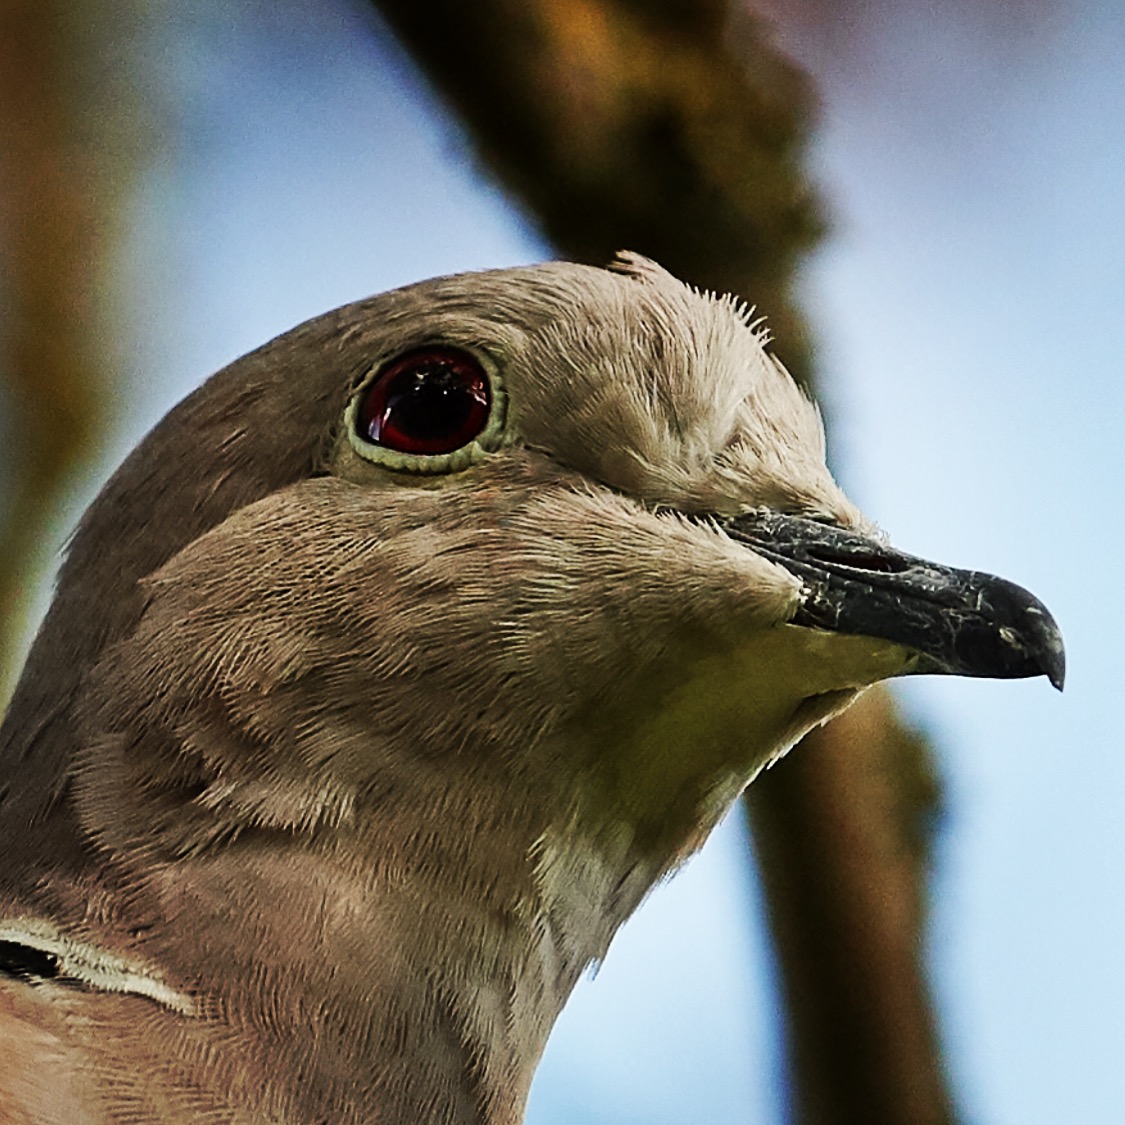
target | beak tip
[
  {"x": 1040, "y": 642},
  {"x": 1046, "y": 643},
  {"x": 1054, "y": 667}
]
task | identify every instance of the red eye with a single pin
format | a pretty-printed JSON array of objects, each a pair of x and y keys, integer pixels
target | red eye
[{"x": 434, "y": 400}]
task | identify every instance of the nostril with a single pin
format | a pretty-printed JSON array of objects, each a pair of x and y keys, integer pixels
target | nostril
[{"x": 858, "y": 560}]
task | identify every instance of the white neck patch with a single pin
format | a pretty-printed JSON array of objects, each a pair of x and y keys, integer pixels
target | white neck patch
[{"x": 96, "y": 968}]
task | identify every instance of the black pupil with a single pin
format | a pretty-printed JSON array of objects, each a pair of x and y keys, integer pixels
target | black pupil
[{"x": 428, "y": 402}]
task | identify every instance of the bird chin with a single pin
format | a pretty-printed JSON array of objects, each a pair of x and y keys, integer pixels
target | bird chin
[
  {"x": 812, "y": 712},
  {"x": 818, "y": 709},
  {"x": 823, "y": 673},
  {"x": 831, "y": 664}
]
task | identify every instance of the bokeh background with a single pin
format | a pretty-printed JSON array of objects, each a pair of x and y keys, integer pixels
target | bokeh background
[{"x": 263, "y": 162}]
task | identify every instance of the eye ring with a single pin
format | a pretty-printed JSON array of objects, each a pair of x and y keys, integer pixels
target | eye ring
[{"x": 431, "y": 409}]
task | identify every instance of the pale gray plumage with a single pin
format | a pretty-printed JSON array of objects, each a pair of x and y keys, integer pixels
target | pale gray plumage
[{"x": 332, "y": 769}]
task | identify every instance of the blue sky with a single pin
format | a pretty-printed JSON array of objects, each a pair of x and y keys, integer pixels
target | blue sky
[{"x": 968, "y": 309}]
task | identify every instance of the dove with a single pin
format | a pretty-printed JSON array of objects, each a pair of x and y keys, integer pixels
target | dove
[{"x": 396, "y": 666}]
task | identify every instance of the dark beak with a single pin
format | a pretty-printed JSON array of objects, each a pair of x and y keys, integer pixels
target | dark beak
[{"x": 960, "y": 622}]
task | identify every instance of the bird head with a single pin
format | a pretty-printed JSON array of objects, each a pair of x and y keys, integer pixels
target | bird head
[{"x": 575, "y": 523}]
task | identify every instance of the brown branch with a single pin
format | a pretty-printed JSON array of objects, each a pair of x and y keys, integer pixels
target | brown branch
[
  {"x": 50, "y": 245},
  {"x": 841, "y": 828},
  {"x": 636, "y": 125}
]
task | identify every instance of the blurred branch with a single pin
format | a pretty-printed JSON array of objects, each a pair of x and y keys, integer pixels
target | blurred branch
[
  {"x": 624, "y": 124},
  {"x": 841, "y": 829},
  {"x": 49, "y": 245},
  {"x": 673, "y": 127}
]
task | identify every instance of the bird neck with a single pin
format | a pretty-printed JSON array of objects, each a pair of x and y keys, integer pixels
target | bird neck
[{"x": 394, "y": 975}]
